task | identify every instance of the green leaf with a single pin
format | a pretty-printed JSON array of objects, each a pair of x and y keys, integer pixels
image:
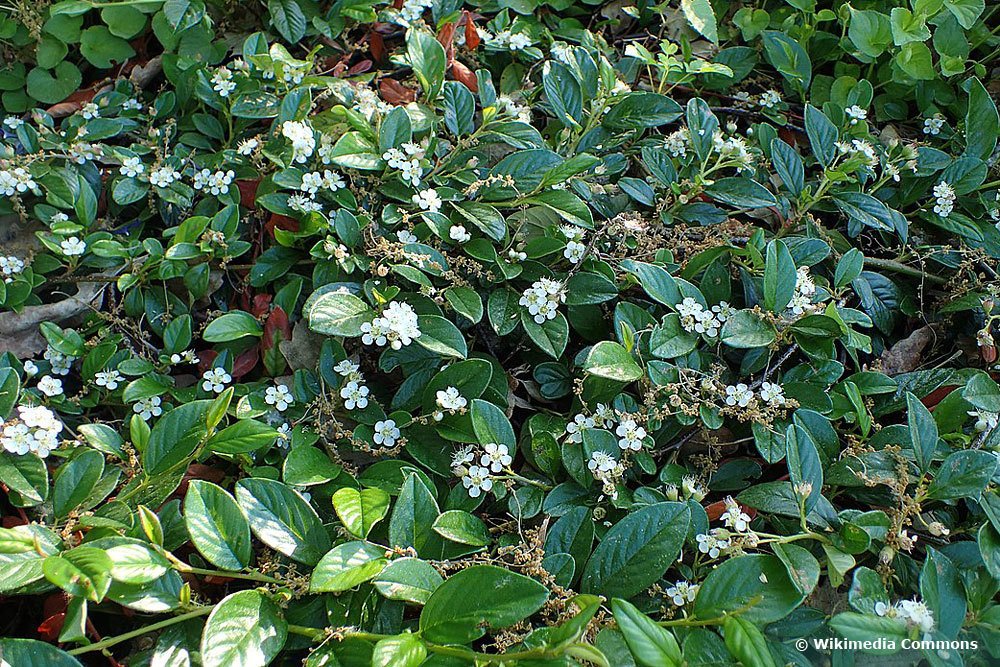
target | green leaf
[
  {"x": 23, "y": 550},
  {"x": 757, "y": 582},
  {"x": 745, "y": 329},
  {"x": 288, "y": 19},
  {"x": 942, "y": 590},
  {"x": 963, "y": 474},
  {"x": 923, "y": 431},
  {"x": 746, "y": 642},
  {"x": 103, "y": 49},
  {"x": 982, "y": 122},
  {"x": 135, "y": 563},
  {"x": 741, "y": 192},
  {"x": 788, "y": 57},
  {"x": 780, "y": 277},
  {"x": 461, "y": 527},
  {"x": 550, "y": 337},
  {"x": 491, "y": 425},
  {"x": 75, "y": 481},
  {"x": 82, "y": 572},
  {"x": 641, "y": 110},
  {"x": 404, "y": 650},
  {"x": 360, "y": 510},
  {"x": 908, "y": 27},
  {"x": 346, "y": 566},
  {"x": 218, "y": 527},
  {"x": 823, "y": 135},
  {"x": 428, "y": 59},
  {"x": 967, "y": 12},
  {"x": 10, "y": 387},
  {"x": 637, "y": 550},
  {"x": 701, "y": 17},
  {"x": 669, "y": 340},
  {"x": 308, "y": 466},
  {"x": 916, "y": 61},
  {"x": 233, "y": 325},
  {"x": 27, "y": 476},
  {"x": 982, "y": 392},
  {"x": 244, "y": 436},
  {"x": 651, "y": 645},
  {"x": 175, "y": 437},
  {"x": 789, "y": 166},
  {"x": 338, "y": 314},
  {"x": 283, "y": 520},
  {"x": 455, "y": 615},
  {"x": 804, "y": 464},
  {"x": 610, "y": 360},
  {"x": 438, "y": 334},
  {"x": 33, "y": 653},
  {"x": 245, "y": 629},
  {"x": 413, "y": 516},
  {"x": 870, "y": 31},
  {"x": 408, "y": 579},
  {"x": 466, "y": 302}
]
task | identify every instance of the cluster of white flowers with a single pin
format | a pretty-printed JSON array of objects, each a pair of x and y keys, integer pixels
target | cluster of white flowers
[
  {"x": 682, "y": 592},
  {"x": 575, "y": 248},
  {"x": 770, "y": 99},
  {"x": 163, "y": 176},
  {"x": 542, "y": 299},
  {"x": 944, "y": 199},
  {"x": 90, "y": 110},
  {"x": 82, "y": 152},
  {"x": 279, "y": 396},
  {"x": 735, "y": 149},
  {"x": 60, "y": 362},
  {"x": 630, "y": 434},
  {"x": 386, "y": 433},
  {"x": 50, "y": 386},
  {"x": 428, "y": 200},
  {"x": 35, "y": 429},
  {"x": 108, "y": 379},
  {"x": 407, "y": 161},
  {"x": 216, "y": 379},
  {"x": 368, "y": 103},
  {"x": 10, "y": 266},
  {"x": 73, "y": 246},
  {"x": 677, "y": 142},
  {"x": 16, "y": 181},
  {"x": 985, "y": 420},
  {"x": 131, "y": 167},
  {"x": 695, "y": 318},
  {"x": 222, "y": 82},
  {"x": 147, "y": 408},
  {"x": 607, "y": 470},
  {"x": 413, "y": 10},
  {"x": 856, "y": 114},
  {"x": 513, "y": 41},
  {"x": 301, "y": 136},
  {"x": 562, "y": 52},
  {"x": 185, "y": 357},
  {"x": 713, "y": 543},
  {"x": 915, "y": 614},
  {"x": 508, "y": 106},
  {"x": 861, "y": 150},
  {"x": 217, "y": 183},
  {"x": 934, "y": 124},
  {"x": 739, "y": 395},
  {"x": 478, "y": 477},
  {"x": 805, "y": 290},
  {"x": 304, "y": 204},
  {"x": 13, "y": 122},
  {"x": 397, "y": 326}
]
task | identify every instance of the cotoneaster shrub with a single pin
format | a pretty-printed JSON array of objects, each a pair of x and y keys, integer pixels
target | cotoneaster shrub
[{"x": 511, "y": 333}]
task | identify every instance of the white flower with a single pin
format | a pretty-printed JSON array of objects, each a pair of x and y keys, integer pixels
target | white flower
[
  {"x": 73, "y": 246},
  {"x": 164, "y": 176},
  {"x": 562, "y": 52},
  {"x": 284, "y": 436},
  {"x": 985, "y": 420},
  {"x": 346, "y": 368},
  {"x": 397, "y": 326},
  {"x": 50, "y": 386},
  {"x": 477, "y": 480},
  {"x": 148, "y": 408},
  {"x": 412, "y": 10},
  {"x": 934, "y": 124},
  {"x": 856, "y": 114},
  {"x": 368, "y": 103},
  {"x": 311, "y": 182},
  {"x": 496, "y": 457},
  {"x": 695, "y": 318},
  {"x": 739, "y": 394},
  {"x": 601, "y": 462},
  {"x": 131, "y": 104},
  {"x": 428, "y": 200},
  {"x": 450, "y": 399},
  {"x": 734, "y": 517},
  {"x": 574, "y": 251},
  {"x": 677, "y": 142},
  {"x": 279, "y": 396},
  {"x": 222, "y": 82},
  {"x": 630, "y": 435},
  {"x": 216, "y": 380},
  {"x": 576, "y": 428},
  {"x": 10, "y": 266},
  {"x": 805, "y": 289},
  {"x": 304, "y": 204},
  {"x": 944, "y": 196},
  {"x": 459, "y": 233},
  {"x": 682, "y": 592},
  {"x": 461, "y": 457},
  {"x": 332, "y": 181},
  {"x": 410, "y": 172},
  {"x": 723, "y": 311},
  {"x": 861, "y": 150},
  {"x": 82, "y": 152},
  {"x": 90, "y": 110},
  {"x": 247, "y": 146},
  {"x": 355, "y": 395},
  {"x": 30, "y": 368},
  {"x": 60, "y": 362},
  {"x": 772, "y": 394},
  {"x": 604, "y": 417},
  {"x": 915, "y": 614},
  {"x": 516, "y": 256},
  {"x": 692, "y": 489},
  {"x": 770, "y": 99},
  {"x": 386, "y": 433},
  {"x": 131, "y": 167},
  {"x": 13, "y": 122},
  {"x": 108, "y": 379},
  {"x": 301, "y": 136},
  {"x": 711, "y": 543},
  {"x": 406, "y": 236},
  {"x": 16, "y": 182}
]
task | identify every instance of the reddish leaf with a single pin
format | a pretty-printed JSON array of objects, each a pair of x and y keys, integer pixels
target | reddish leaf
[
  {"x": 281, "y": 222},
  {"x": 276, "y": 328},
  {"x": 54, "y": 604},
  {"x": 245, "y": 362},
  {"x": 463, "y": 74},
  {"x": 931, "y": 400},
  {"x": 447, "y": 38},
  {"x": 261, "y": 302},
  {"x": 52, "y": 626},
  {"x": 394, "y": 92},
  {"x": 988, "y": 353},
  {"x": 360, "y": 68},
  {"x": 377, "y": 46},
  {"x": 248, "y": 190},
  {"x": 472, "y": 38},
  {"x": 206, "y": 360}
]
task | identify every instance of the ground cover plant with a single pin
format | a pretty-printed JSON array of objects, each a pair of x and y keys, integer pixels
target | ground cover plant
[{"x": 500, "y": 333}]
